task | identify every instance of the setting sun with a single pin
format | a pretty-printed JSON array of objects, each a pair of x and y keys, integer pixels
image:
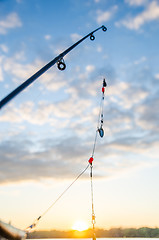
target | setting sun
[{"x": 80, "y": 226}]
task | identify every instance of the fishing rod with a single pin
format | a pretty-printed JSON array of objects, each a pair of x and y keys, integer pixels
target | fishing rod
[{"x": 60, "y": 64}]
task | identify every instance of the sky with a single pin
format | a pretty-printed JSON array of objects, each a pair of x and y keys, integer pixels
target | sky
[{"x": 47, "y": 131}]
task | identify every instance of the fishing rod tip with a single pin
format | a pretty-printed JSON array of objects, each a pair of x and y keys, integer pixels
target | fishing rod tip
[{"x": 104, "y": 28}]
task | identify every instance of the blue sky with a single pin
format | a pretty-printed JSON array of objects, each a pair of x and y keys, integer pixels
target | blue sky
[{"x": 47, "y": 132}]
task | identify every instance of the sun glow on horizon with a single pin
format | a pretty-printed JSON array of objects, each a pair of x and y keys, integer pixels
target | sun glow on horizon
[{"x": 80, "y": 226}]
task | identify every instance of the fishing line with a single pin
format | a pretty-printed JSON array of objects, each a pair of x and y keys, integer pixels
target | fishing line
[
  {"x": 101, "y": 133},
  {"x": 98, "y": 122},
  {"x": 37, "y": 220}
]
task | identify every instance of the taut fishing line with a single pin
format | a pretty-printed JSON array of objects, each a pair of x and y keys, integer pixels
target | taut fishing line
[{"x": 101, "y": 133}]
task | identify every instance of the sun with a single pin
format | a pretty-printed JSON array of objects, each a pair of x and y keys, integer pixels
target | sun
[{"x": 80, "y": 226}]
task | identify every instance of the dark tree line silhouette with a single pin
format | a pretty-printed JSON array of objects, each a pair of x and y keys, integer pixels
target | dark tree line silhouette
[{"x": 144, "y": 232}]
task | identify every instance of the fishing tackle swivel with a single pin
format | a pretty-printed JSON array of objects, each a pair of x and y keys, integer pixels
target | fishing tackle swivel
[{"x": 100, "y": 130}]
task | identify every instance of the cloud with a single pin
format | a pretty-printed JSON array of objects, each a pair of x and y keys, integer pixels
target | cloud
[
  {"x": 64, "y": 154},
  {"x": 157, "y": 76},
  {"x": 1, "y": 75},
  {"x": 70, "y": 123},
  {"x": 52, "y": 80},
  {"x": 151, "y": 13},
  {"x": 11, "y": 21},
  {"x": 4, "y": 48},
  {"x": 47, "y": 37},
  {"x": 55, "y": 157},
  {"x": 1, "y": 70},
  {"x": 48, "y": 113},
  {"x": 103, "y": 16},
  {"x": 141, "y": 60},
  {"x": 148, "y": 117},
  {"x": 99, "y": 49},
  {"x": 75, "y": 37},
  {"x": 90, "y": 68},
  {"x": 58, "y": 159},
  {"x": 19, "y": 70},
  {"x": 132, "y": 96},
  {"x": 136, "y": 2}
]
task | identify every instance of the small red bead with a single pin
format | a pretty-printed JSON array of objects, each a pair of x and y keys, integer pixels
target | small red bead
[{"x": 90, "y": 160}]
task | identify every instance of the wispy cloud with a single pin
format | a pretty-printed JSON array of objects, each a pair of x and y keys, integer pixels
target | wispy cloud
[
  {"x": 47, "y": 37},
  {"x": 4, "y": 48},
  {"x": 129, "y": 116},
  {"x": 148, "y": 118},
  {"x": 45, "y": 113},
  {"x": 75, "y": 37},
  {"x": 136, "y": 2},
  {"x": 103, "y": 16},
  {"x": 17, "y": 69},
  {"x": 141, "y": 60},
  {"x": 1, "y": 69},
  {"x": 9, "y": 22},
  {"x": 90, "y": 68},
  {"x": 157, "y": 76},
  {"x": 72, "y": 120},
  {"x": 151, "y": 13},
  {"x": 56, "y": 159}
]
